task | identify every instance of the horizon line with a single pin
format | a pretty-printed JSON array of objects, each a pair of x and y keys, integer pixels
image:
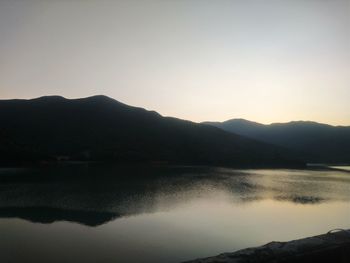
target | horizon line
[{"x": 217, "y": 121}]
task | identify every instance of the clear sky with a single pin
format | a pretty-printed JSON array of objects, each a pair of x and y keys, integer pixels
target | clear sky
[{"x": 267, "y": 61}]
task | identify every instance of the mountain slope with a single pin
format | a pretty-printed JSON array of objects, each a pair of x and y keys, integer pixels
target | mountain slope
[
  {"x": 100, "y": 128},
  {"x": 319, "y": 142}
]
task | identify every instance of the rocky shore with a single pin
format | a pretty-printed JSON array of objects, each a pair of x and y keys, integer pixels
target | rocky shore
[{"x": 333, "y": 247}]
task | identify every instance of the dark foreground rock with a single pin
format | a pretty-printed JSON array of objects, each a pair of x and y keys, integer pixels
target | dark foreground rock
[{"x": 330, "y": 247}]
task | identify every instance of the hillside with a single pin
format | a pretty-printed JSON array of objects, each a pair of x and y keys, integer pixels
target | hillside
[
  {"x": 99, "y": 128},
  {"x": 318, "y": 142}
]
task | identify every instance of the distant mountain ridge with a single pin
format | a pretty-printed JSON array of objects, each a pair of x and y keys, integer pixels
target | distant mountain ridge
[
  {"x": 318, "y": 142},
  {"x": 100, "y": 128}
]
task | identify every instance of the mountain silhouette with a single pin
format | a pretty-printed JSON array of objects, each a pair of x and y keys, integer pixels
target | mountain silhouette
[
  {"x": 318, "y": 142},
  {"x": 99, "y": 128}
]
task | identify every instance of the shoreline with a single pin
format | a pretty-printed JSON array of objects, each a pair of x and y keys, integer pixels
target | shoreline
[{"x": 330, "y": 247}]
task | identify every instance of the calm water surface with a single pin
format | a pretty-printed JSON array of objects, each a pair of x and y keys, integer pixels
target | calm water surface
[
  {"x": 344, "y": 167},
  {"x": 165, "y": 214}
]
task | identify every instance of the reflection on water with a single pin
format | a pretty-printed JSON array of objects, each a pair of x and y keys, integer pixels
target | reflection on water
[
  {"x": 164, "y": 214},
  {"x": 344, "y": 167}
]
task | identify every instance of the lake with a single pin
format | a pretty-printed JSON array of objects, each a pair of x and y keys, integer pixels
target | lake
[{"x": 92, "y": 213}]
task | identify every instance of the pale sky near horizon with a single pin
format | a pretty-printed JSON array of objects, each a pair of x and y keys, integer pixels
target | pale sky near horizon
[{"x": 266, "y": 61}]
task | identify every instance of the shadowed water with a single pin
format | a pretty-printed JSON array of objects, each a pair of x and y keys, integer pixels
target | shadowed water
[{"x": 161, "y": 214}]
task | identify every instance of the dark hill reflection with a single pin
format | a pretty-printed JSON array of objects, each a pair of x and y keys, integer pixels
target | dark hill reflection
[
  {"x": 94, "y": 195},
  {"x": 48, "y": 215}
]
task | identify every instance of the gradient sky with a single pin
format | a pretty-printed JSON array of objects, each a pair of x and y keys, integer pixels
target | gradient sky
[{"x": 267, "y": 61}]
